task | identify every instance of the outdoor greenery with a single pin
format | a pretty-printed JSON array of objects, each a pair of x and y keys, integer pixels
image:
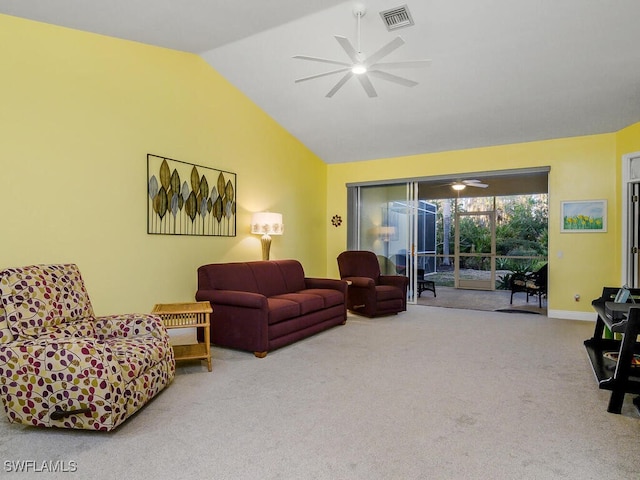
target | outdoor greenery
[{"x": 521, "y": 231}]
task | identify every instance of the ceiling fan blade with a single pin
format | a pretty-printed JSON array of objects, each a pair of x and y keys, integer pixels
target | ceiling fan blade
[
  {"x": 384, "y": 51},
  {"x": 393, "y": 78},
  {"x": 339, "y": 85},
  {"x": 410, "y": 64},
  {"x": 367, "y": 85},
  {"x": 304, "y": 79},
  {"x": 323, "y": 60},
  {"x": 475, "y": 183},
  {"x": 348, "y": 47}
]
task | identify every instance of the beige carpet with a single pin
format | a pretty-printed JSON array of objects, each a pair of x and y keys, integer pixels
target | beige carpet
[{"x": 433, "y": 393}]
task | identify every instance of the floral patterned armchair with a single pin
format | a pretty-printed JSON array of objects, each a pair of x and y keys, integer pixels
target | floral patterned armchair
[{"x": 60, "y": 366}]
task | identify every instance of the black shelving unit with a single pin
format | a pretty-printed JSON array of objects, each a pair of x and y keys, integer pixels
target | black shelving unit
[{"x": 622, "y": 322}]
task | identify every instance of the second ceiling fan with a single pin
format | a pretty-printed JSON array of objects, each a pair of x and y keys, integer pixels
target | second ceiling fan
[
  {"x": 362, "y": 66},
  {"x": 462, "y": 184}
]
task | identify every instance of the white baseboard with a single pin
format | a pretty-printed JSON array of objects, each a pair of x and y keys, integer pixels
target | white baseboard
[{"x": 572, "y": 315}]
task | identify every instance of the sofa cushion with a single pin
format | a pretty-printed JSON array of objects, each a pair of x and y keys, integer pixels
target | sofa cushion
[
  {"x": 281, "y": 309},
  {"x": 329, "y": 297},
  {"x": 269, "y": 278},
  {"x": 308, "y": 302},
  {"x": 227, "y": 276},
  {"x": 293, "y": 274}
]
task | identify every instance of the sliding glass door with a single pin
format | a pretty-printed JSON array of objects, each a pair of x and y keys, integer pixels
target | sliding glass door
[{"x": 383, "y": 220}]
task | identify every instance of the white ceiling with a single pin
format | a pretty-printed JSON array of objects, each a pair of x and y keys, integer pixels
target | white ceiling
[{"x": 502, "y": 71}]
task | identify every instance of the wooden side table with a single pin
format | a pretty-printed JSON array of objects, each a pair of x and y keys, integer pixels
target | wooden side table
[{"x": 188, "y": 315}]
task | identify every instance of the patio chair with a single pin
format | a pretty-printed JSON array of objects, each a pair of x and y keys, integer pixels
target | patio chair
[{"x": 533, "y": 284}]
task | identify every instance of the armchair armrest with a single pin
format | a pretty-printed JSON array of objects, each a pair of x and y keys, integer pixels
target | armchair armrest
[
  {"x": 235, "y": 298},
  {"x": 395, "y": 280},
  {"x": 361, "y": 282},
  {"x": 56, "y": 359},
  {"x": 330, "y": 283},
  {"x": 129, "y": 325}
]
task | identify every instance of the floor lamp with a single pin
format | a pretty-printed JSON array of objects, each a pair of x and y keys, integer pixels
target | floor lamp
[{"x": 266, "y": 224}]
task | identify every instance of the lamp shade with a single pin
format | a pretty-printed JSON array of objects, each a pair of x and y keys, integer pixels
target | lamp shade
[
  {"x": 386, "y": 233},
  {"x": 267, "y": 223}
]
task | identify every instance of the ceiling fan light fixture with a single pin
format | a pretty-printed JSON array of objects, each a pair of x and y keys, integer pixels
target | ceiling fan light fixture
[
  {"x": 360, "y": 64},
  {"x": 359, "y": 69},
  {"x": 458, "y": 186}
]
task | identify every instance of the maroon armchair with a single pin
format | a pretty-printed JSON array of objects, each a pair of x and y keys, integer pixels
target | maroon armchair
[{"x": 369, "y": 293}]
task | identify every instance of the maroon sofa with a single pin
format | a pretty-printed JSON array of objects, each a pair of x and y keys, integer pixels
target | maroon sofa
[{"x": 261, "y": 306}]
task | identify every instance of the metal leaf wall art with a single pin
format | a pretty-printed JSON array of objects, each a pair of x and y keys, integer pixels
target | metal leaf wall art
[{"x": 187, "y": 199}]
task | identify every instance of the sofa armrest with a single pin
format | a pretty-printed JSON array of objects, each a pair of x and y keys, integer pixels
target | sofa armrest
[
  {"x": 239, "y": 320},
  {"x": 329, "y": 283},
  {"x": 361, "y": 282},
  {"x": 234, "y": 298},
  {"x": 129, "y": 325},
  {"x": 394, "y": 280}
]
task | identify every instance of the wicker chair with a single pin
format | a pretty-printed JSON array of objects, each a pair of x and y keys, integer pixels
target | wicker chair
[{"x": 533, "y": 284}]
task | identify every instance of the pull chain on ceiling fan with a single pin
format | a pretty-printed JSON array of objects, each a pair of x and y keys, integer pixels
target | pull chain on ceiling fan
[{"x": 362, "y": 66}]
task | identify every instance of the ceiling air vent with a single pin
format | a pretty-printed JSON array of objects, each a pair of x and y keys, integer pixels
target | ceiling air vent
[{"x": 398, "y": 17}]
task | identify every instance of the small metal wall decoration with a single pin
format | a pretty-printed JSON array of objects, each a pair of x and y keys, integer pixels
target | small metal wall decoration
[{"x": 188, "y": 199}]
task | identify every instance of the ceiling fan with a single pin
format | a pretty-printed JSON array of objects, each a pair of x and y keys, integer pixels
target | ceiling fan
[
  {"x": 362, "y": 66},
  {"x": 462, "y": 184}
]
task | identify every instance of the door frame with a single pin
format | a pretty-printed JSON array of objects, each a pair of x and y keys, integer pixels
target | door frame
[
  {"x": 353, "y": 203},
  {"x": 629, "y": 275},
  {"x": 356, "y": 238}
]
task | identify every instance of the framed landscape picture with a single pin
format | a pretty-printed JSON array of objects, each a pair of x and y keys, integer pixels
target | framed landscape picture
[{"x": 588, "y": 216}]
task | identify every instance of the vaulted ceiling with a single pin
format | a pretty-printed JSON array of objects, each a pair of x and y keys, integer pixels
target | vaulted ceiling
[{"x": 502, "y": 71}]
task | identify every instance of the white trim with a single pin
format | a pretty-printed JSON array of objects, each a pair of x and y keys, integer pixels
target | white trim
[
  {"x": 624, "y": 193},
  {"x": 572, "y": 315},
  {"x": 412, "y": 242},
  {"x": 453, "y": 176}
]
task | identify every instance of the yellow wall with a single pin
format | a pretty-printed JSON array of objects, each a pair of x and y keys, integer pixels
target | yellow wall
[
  {"x": 581, "y": 168},
  {"x": 628, "y": 140},
  {"x": 78, "y": 114}
]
